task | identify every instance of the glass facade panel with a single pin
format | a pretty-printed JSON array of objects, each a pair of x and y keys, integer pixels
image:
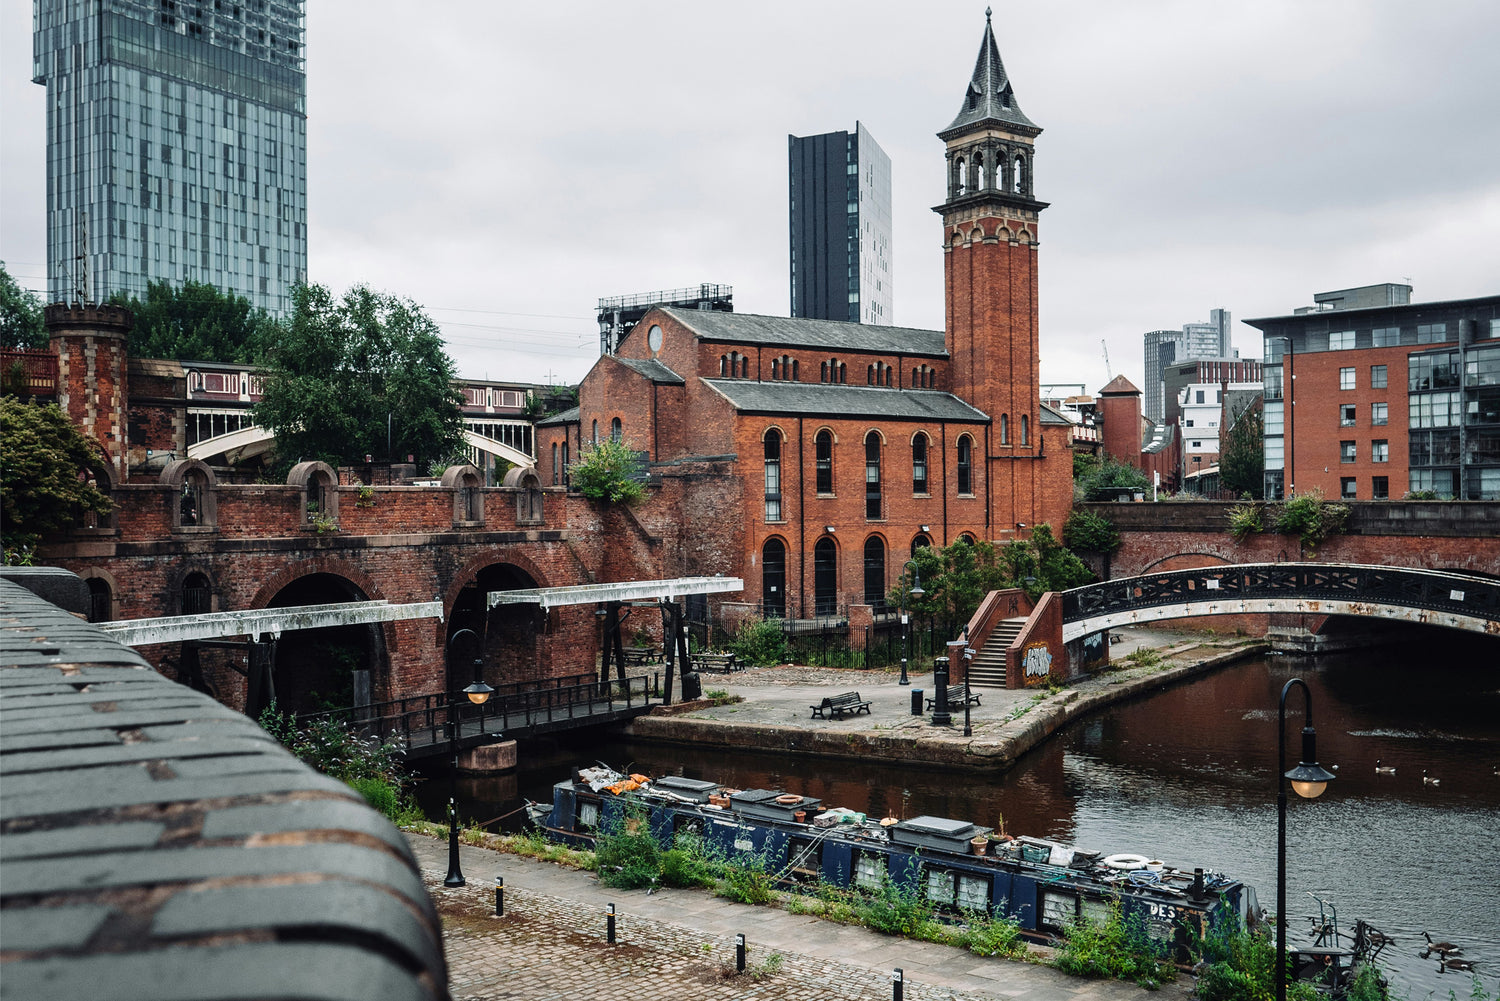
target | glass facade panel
[{"x": 176, "y": 147}]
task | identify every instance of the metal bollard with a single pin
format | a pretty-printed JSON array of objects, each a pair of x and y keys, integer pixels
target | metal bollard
[
  {"x": 739, "y": 953},
  {"x": 896, "y": 979},
  {"x": 916, "y": 701},
  {"x": 968, "y": 730},
  {"x": 609, "y": 923},
  {"x": 499, "y": 896}
]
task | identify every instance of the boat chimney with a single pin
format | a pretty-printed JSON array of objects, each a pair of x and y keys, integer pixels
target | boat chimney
[{"x": 1197, "y": 890}]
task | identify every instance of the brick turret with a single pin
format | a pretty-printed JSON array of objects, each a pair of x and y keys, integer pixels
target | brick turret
[{"x": 90, "y": 341}]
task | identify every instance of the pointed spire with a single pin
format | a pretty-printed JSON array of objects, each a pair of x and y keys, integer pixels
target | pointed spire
[{"x": 989, "y": 96}]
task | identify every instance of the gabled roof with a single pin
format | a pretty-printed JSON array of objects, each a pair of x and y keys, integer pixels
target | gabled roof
[
  {"x": 1119, "y": 386},
  {"x": 989, "y": 97},
  {"x": 824, "y": 400},
  {"x": 651, "y": 369},
  {"x": 561, "y": 417},
  {"x": 800, "y": 332}
]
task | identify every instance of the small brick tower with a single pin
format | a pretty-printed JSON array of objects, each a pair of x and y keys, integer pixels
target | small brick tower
[
  {"x": 90, "y": 342},
  {"x": 990, "y": 243}
]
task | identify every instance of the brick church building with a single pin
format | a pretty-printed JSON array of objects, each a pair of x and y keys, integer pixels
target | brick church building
[{"x": 819, "y": 454}]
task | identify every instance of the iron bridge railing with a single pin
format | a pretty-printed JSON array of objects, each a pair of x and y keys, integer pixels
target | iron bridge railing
[
  {"x": 422, "y": 723},
  {"x": 1428, "y": 589}
]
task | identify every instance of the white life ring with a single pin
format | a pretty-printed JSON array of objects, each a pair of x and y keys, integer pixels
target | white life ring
[{"x": 1126, "y": 861}]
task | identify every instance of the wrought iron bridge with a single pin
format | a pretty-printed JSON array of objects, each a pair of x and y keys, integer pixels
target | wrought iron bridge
[
  {"x": 1432, "y": 597},
  {"x": 424, "y": 723}
]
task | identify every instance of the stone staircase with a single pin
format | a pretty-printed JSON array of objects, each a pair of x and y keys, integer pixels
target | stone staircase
[{"x": 988, "y": 668}]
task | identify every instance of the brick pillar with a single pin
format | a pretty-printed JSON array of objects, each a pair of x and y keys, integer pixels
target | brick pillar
[{"x": 90, "y": 342}]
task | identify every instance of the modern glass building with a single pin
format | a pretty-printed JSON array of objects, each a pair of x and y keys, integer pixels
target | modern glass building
[
  {"x": 840, "y": 227},
  {"x": 1195, "y": 341},
  {"x": 176, "y": 146}
]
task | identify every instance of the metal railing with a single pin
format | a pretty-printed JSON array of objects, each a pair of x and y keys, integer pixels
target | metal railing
[{"x": 669, "y": 297}]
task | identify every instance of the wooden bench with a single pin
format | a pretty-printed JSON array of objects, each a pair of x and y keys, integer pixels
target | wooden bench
[
  {"x": 838, "y": 705},
  {"x": 720, "y": 663},
  {"x": 958, "y": 695}
]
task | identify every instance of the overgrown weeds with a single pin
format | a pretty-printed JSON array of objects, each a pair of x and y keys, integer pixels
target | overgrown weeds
[{"x": 1117, "y": 948}]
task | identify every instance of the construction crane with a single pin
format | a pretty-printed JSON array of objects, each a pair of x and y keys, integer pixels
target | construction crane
[{"x": 1109, "y": 373}]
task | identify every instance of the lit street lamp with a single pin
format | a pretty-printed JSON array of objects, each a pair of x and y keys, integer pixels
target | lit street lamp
[
  {"x": 1309, "y": 779},
  {"x": 915, "y": 592},
  {"x": 478, "y": 693}
]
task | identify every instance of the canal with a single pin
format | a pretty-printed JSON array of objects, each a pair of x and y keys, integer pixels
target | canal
[{"x": 1186, "y": 775}]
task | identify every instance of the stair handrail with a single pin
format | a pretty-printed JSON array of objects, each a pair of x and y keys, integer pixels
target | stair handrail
[{"x": 997, "y": 605}]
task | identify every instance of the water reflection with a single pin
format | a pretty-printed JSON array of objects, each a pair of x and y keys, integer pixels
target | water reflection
[{"x": 1187, "y": 775}]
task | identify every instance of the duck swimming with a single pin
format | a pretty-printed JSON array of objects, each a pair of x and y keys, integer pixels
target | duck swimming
[{"x": 1384, "y": 769}]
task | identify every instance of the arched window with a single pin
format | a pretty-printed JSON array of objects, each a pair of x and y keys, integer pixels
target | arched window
[
  {"x": 197, "y": 595},
  {"x": 965, "y": 465},
  {"x": 872, "y": 475},
  {"x": 723, "y": 365},
  {"x": 556, "y": 469},
  {"x": 875, "y": 572},
  {"x": 825, "y": 371},
  {"x": 776, "y": 368},
  {"x": 773, "y": 579},
  {"x": 976, "y": 172},
  {"x": 773, "y": 475},
  {"x": 967, "y": 539},
  {"x": 1020, "y": 175},
  {"x": 823, "y": 450},
  {"x": 565, "y": 475},
  {"x": 825, "y": 577},
  {"x": 920, "y": 542},
  {"x": 101, "y": 602},
  {"x": 1005, "y": 429},
  {"x": 616, "y": 430},
  {"x": 843, "y": 375},
  {"x": 795, "y": 376},
  {"x": 919, "y": 464},
  {"x": 963, "y": 174},
  {"x": 870, "y": 375},
  {"x": 1025, "y": 430},
  {"x": 915, "y": 381},
  {"x": 595, "y": 437}
]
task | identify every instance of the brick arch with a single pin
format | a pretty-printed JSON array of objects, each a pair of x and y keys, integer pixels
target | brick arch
[
  {"x": 306, "y": 567},
  {"x": 178, "y": 575},
  {"x": 778, "y": 429},
  {"x": 469, "y": 571},
  {"x": 115, "y": 598}
]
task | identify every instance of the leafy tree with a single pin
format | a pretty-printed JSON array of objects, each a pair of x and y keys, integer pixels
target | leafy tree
[
  {"x": 1242, "y": 460},
  {"x": 956, "y": 579},
  {"x": 1107, "y": 477},
  {"x": 21, "y": 324},
  {"x": 1090, "y": 532},
  {"x": 42, "y": 487},
  {"x": 609, "y": 471},
  {"x": 199, "y": 322},
  {"x": 343, "y": 368}
]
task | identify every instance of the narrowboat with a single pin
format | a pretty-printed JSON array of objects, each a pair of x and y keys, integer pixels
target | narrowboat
[{"x": 956, "y": 865}]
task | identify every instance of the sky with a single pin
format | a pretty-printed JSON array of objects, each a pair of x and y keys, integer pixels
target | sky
[{"x": 506, "y": 164}]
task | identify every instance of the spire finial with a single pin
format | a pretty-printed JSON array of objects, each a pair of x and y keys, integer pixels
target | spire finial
[{"x": 986, "y": 15}]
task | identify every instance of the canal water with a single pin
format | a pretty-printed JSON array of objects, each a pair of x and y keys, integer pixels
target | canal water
[{"x": 1187, "y": 775}]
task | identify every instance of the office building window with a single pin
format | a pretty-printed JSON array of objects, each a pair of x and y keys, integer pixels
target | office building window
[
  {"x": 1378, "y": 413},
  {"x": 1433, "y": 410},
  {"x": 1346, "y": 378},
  {"x": 1380, "y": 450},
  {"x": 1347, "y": 490},
  {"x": 1341, "y": 340},
  {"x": 1380, "y": 487},
  {"x": 1385, "y": 337},
  {"x": 1346, "y": 451},
  {"x": 1377, "y": 377},
  {"x": 1495, "y": 328},
  {"x": 1346, "y": 415},
  {"x": 1432, "y": 371},
  {"x": 1432, "y": 333}
]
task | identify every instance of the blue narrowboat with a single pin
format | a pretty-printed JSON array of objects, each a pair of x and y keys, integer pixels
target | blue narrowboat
[{"x": 957, "y": 866}]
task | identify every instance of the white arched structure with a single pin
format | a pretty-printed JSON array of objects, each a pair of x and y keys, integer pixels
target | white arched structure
[{"x": 254, "y": 440}]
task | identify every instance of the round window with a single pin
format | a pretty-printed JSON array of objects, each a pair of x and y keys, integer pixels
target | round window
[{"x": 653, "y": 338}]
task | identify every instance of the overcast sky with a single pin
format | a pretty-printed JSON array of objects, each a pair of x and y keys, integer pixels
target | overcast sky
[{"x": 507, "y": 163}]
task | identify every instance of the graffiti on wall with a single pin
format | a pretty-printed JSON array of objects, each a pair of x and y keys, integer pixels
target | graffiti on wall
[{"x": 1036, "y": 662}]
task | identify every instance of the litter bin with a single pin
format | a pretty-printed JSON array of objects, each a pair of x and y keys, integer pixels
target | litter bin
[
  {"x": 916, "y": 701},
  {"x": 692, "y": 686}
]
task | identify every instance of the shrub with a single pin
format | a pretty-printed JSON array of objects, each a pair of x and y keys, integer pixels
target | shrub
[
  {"x": 333, "y": 748},
  {"x": 1085, "y": 530},
  {"x": 1118, "y": 949},
  {"x": 629, "y": 857},
  {"x": 986, "y": 935},
  {"x": 760, "y": 642},
  {"x": 1107, "y": 479},
  {"x": 1310, "y": 518},
  {"x": 380, "y": 794},
  {"x": 608, "y": 471},
  {"x": 893, "y": 910},
  {"x": 1246, "y": 520}
]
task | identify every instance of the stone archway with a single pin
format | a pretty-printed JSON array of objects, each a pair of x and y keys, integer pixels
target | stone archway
[
  {"x": 515, "y": 636},
  {"x": 332, "y": 668}
]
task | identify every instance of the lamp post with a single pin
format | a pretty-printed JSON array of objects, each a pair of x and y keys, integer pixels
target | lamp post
[
  {"x": 1309, "y": 779},
  {"x": 914, "y": 592},
  {"x": 478, "y": 692}
]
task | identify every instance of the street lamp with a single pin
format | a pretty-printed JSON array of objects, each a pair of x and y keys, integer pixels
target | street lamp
[
  {"x": 914, "y": 592},
  {"x": 478, "y": 693},
  {"x": 1308, "y": 779}
]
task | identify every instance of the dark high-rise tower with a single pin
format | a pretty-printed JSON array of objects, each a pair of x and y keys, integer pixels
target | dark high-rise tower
[
  {"x": 176, "y": 146},
  {"x": 840, "y": 227},
  {"x": 990, "y": 242}
]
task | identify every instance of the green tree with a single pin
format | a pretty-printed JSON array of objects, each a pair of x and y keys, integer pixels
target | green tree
[
  {"x": 21, "y": 324},
  {"x": 1242, "y": 459},
  {"x": 1104, "y": 479},
  {"x": 956, "y": 579},
  {"x": 345, "y": 373},
  {"x": 198, "y": 322},
  {"x": 42, "y": 487},
  {"x": 609, "y": 471}
]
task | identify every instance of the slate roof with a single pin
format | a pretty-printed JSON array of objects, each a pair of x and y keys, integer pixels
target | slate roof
[
  {"x": 800, "y": 332},
  {"x": 191, "y": 855},
  {"x": 651, "y": 369},
  {"x": 824, "y": 400},
  {"x": 1119, "y": 386},
  {"x": 1057, "y": 417},
  {"x": 989, "y": 97},
  {"x": 570, "y": 416}
]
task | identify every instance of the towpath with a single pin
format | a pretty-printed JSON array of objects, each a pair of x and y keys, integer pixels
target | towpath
[
  {"x": 775, "y": 713},
  {"x": 680, "y": 944}
]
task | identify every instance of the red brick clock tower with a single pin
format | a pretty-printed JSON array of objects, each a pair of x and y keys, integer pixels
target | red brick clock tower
[{"x": 990, "y": 247}]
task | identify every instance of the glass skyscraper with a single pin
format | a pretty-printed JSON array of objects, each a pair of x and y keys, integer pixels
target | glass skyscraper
[
  {"x": 840, "y": 227},
  {"x": 176, "y": 146}
]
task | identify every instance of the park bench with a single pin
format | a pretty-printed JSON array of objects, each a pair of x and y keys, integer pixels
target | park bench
[
  {"x": 838, "y": 705},
  {"x": 641, "y": 655},
  {"x": 958, "y": 695},
  {"x": 721, "y": 663}
]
